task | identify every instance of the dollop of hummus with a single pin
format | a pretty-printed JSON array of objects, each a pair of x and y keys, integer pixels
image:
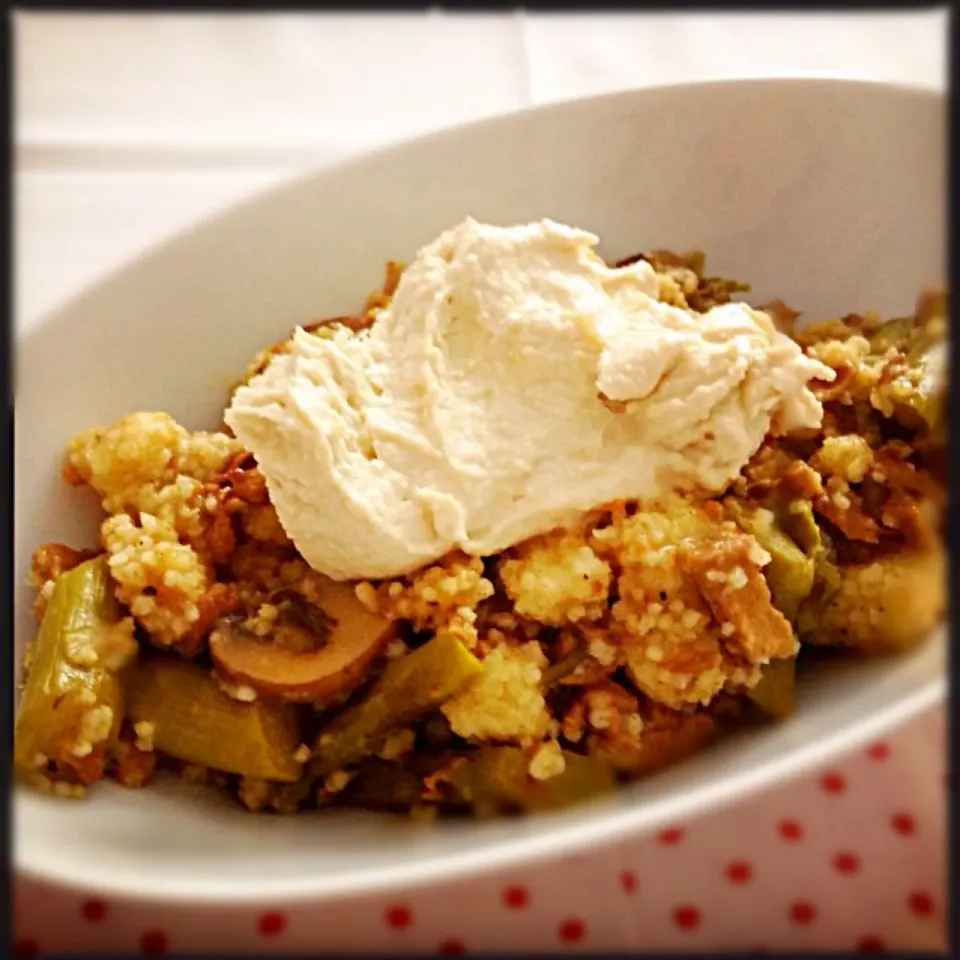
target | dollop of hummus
[{"x": 513, "y": 382}]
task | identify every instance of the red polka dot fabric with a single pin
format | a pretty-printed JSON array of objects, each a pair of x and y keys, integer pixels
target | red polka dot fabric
[{"x": 848, "y": 858}]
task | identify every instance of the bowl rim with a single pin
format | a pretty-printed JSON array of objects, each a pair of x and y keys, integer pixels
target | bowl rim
[
  {"x": 600, "y": 830},
  {"x": 796, "y": 78}
]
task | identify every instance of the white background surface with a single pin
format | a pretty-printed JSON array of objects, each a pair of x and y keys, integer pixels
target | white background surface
[{"x": 129, "y": 128}]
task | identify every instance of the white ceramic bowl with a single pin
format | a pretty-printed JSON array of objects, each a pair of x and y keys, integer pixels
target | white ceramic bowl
[{"x": 827, "y": 193}]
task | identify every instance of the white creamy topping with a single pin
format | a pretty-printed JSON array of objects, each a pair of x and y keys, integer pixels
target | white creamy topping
[{"x": 514, "y": 381}]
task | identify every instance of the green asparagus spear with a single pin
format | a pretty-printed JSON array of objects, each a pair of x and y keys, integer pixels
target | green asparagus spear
[
  {"x": 195, "y": 721},
  {"x": 776, "y": 691},
  {"x": 72, "y": 702},
  {"x": 495, "y": 778},
  {"x": 408, "y": 689}
]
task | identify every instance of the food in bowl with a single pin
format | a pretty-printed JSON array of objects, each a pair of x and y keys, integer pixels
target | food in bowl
[{"x": 528, "y": 525}]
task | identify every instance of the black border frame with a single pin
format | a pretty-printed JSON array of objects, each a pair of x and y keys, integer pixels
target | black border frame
[{"x": 952, "y": 916}]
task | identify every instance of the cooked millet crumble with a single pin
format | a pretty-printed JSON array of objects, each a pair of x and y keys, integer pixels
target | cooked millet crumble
[{"x": 522, "y": 680}]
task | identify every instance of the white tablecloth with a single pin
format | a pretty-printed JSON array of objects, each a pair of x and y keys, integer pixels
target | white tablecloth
[{"x": 130, "y": 127}]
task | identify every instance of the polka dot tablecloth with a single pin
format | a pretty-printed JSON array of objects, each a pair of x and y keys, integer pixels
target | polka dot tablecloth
[{"x": 848, "y": 858}]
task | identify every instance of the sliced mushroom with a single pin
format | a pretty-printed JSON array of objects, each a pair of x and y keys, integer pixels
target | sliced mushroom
[{"x": 340, "y": 639}]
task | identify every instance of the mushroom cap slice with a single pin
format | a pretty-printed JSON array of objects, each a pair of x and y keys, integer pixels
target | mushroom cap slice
[{"x": 354, "y": 637}]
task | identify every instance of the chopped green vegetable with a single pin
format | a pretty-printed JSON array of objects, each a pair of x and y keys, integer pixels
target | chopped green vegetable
[
  {"x": 195, "y": 721},
  {"x": 913, "y": 335},
  {"x": 797, "y": 520},
  {"x": 565, "y": 666},
  {"x": 790, "y": 572},
  {"x": 923, "y": 409},
  {"x": 920, "y": 338},
  {"x": 898, "y": 333},
  {"x": 494, "y": 778},
  {"x": 776, "y": 691},
  {"x": 72, "y": 703},
  {"x": 407, "y": 690},
  {"x": 668, "y": 736},
  {"x": 381, "y": 784}
]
